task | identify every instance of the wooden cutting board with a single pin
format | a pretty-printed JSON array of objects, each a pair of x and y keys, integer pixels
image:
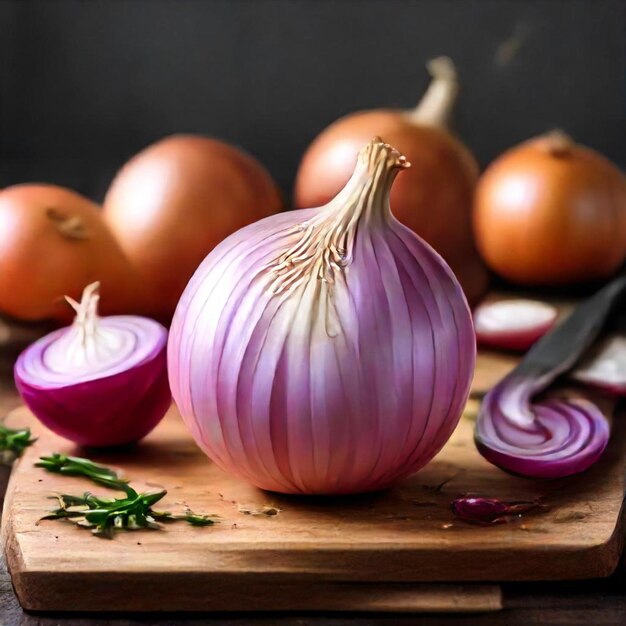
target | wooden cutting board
[{"x": 390, "y": 551}]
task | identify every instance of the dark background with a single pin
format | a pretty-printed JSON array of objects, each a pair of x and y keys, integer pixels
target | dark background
[{"x": 85, "y": 84}]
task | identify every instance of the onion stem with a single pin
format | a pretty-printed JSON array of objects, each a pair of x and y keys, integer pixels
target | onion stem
[
  {"x": 325, "y": 245},
  {"x": 86, "y": 319},
  {"x": 437, "y": 105},
  {"x": 558, "y": 143},
  {"x": 86, "y": 341},
  {"x": 71, "y": 226}
]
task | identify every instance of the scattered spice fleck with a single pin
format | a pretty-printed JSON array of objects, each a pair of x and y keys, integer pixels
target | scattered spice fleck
[
  {"x": 533, "y": 529},
  {"x": 402, "y": 518},
  {"x": 423, "y": 503},
  {"x": 574, "y": 516},
  {"x": 510, "y": 47},
  {"x": 471, "y": 410},
  {"x": 439, "y": 487},
  {"x": 266, "y": 509}
]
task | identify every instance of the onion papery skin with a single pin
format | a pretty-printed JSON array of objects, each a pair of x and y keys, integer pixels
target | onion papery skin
[
  {"x": 550, "y": 438},
  {"x": 119, "y": 406},
  {"x": 328, "y": 387}
]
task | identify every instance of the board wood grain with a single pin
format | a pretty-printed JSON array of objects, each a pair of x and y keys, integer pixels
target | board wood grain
[{"x": 383, "y": 551}]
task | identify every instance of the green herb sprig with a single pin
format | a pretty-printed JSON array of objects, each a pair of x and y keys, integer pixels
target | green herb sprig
[
  {"x": 105, "y": 516},
  {"x": 13, "y": 442},
  {"x": 77, "y": 466}
]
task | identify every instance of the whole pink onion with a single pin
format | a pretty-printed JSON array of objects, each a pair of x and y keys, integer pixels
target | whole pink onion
[{"x": 324, "y": 351}]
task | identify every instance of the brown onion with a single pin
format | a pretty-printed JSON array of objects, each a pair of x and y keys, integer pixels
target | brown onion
[
  {"x": 171, "y": 204},
  {"x": 53, "y": 242},
  {"x": 434, "y": 198},
  {"x": 550, "y": 212}
]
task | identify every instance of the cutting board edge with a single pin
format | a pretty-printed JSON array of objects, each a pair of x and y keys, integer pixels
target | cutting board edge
[
  {"x": 354, "y": 566},
  {"x": 376, "y": 598}
]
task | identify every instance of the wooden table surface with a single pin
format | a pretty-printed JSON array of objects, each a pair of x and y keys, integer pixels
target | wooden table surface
[{"x": 588, "y": 602}]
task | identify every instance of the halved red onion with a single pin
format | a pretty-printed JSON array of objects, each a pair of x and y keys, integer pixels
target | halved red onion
[
  {"x": 99, "y": 382},
  {"x": 513, "y": 324},
  {"x": 605, "y": 366},
  {"x": 553, "y": 437}
]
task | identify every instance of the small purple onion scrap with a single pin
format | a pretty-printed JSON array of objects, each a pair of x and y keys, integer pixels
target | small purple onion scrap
[{"x": 489, "y": 511}]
